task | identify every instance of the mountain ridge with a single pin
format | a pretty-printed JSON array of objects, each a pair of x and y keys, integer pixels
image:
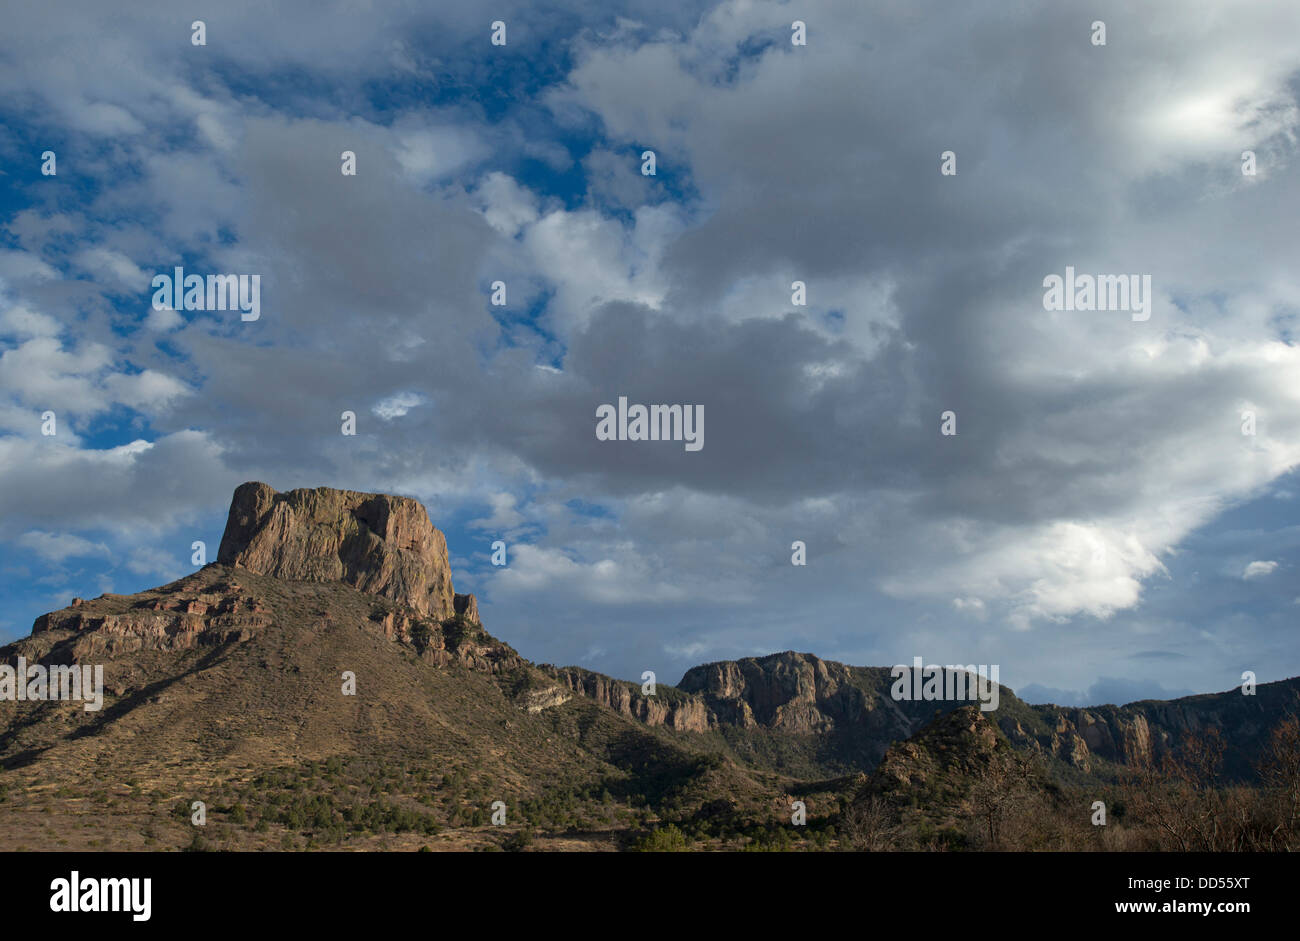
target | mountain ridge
[{"x": 242, "y": 666}]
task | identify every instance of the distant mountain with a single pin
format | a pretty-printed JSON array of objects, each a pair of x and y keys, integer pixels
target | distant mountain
[
  {"x": 323, "y": 684},
  {"x": 796, "y": 712}
]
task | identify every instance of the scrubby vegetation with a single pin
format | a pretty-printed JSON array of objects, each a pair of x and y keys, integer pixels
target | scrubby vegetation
[{"x": 1008, "y": 802}]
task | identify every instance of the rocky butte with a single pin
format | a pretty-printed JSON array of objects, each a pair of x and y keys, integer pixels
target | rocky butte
[{"x": 379, "y": 544}]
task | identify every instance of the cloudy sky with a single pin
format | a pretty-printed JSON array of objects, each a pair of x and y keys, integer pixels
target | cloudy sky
[{"x": 1099, "y": 526}]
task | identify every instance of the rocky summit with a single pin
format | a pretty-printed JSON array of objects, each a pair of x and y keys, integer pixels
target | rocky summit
[
  {"x": 321, "y": 684},
  {"x": 377, "y": 543}
]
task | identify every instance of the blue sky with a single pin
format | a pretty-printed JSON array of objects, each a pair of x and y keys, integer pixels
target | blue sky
[{"x": 1099, "y": 526}]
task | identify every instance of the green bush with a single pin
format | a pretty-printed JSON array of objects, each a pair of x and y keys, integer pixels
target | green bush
[{"x": 667, "y": 839}]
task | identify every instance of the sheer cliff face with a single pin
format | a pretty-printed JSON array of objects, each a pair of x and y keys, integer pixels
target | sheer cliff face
[
  {"x": 380, "y": 544},
  {"x": 791, "y": 691}
]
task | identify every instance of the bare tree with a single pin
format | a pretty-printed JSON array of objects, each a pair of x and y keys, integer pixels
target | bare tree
[
  {"x": 998, "y": 789},
  {"x": 1280, "y": 773},
  {"x": 1181, "y": 800},
  {"x": 870, "y": 824}
]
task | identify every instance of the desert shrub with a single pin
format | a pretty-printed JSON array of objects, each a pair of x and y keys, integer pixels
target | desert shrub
[
  {"x": 518, "y": 840},
  {"x": 667, "y": 839}
]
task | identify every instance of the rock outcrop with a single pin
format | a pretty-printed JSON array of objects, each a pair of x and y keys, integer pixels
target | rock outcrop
[
  {"x": 790, "y": 691},
  {"x": 955, "y": 747},
  {"x": 795, "y": 695},
  {"x": 467, "y": 607},
  {"x": 671, "y": 709},
  {"x": 177, "y": 620},
  {"x": 1142, "y": 732},
  {"x": 379, "y": 544}
]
